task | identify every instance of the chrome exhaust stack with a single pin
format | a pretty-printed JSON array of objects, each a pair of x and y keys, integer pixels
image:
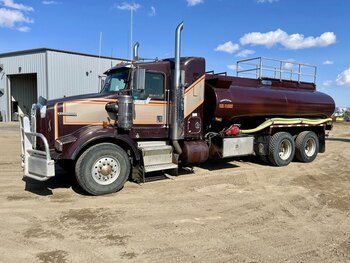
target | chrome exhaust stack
[
  {"x": 136, "y": 51},
  {"x": 177, "y": 109}
]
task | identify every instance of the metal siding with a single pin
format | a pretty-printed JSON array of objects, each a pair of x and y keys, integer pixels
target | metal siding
[
  {"x": 58, "y": 74},
  {"x": 67, "y": 73},
  {"x": 31, "y": 63}
]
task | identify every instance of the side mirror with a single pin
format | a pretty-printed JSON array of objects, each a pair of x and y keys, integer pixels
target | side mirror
[
  {"x": 139, "y": 79},
  {"x": 102, "y": 80}
]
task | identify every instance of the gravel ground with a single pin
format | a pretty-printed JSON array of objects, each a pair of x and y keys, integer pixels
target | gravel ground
[{"x": 235, "y": 210}]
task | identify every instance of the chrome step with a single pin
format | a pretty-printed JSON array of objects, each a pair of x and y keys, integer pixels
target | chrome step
[
  {"x": 156, "y": 153},
  {"x": 157, "y": 156},
  {"x": 159, "y": 167}
]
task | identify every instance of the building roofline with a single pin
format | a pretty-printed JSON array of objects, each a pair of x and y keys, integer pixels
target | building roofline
[{"x": 41, "y": 50}]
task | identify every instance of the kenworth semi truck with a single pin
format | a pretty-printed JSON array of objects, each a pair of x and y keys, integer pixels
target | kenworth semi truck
[{"x": 161, "y": 114}]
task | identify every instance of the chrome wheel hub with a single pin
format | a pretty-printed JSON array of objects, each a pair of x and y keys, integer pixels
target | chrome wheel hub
[
  {"x": 105, "y": 170},
  {"x": 285, "y": 149},
  {"x": 310, "y": 147}
]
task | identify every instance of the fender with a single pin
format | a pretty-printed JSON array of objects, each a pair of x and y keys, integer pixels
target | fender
[{"x": 90, "y": 135}]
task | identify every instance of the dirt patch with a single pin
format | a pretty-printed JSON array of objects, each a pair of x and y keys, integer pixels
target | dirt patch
[
  {"x": 116, "y": 239},
  {"x": 39, "y": 232},
  {"x": 18, "y": 197},
  {"x": 128, "y": 255},
  {"x": 56, "y": 256},
  {"x": 345, "y": 248}
]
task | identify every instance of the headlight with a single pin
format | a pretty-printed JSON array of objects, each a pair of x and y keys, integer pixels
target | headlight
[
  {"x": 63, "y": 142},
  {"x": 58, "y": 145}
]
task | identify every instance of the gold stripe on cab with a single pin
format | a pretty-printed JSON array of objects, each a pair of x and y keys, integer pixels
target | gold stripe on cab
[
  {"x": 92, "y": 111},
  {"x": 194, "y": 96}
]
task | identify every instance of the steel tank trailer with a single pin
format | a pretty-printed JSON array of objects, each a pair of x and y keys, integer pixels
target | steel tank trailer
[{"x": 233, "y": 98}]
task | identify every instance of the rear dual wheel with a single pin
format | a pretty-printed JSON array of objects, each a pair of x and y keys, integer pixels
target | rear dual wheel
[
  {"x": 306, "y": 146},
  {"x": 281, "y": 149}
]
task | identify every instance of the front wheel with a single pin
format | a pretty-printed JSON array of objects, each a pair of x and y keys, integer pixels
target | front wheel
[
  {"x": 306, "y": 146},
  {"x": 281, "y": 149},
  {"x": 102, "y": 169}
]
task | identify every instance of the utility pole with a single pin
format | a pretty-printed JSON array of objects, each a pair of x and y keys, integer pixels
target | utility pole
[
  {"x": 99, "y": 64},
  {"x": 131, "y": 18}
]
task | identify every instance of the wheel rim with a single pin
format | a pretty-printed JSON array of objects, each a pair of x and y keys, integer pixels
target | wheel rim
[
  {"x": 105, "y": 170},
  {"x": 310, "y": 147},
  {"x": 285, "y": 149}
]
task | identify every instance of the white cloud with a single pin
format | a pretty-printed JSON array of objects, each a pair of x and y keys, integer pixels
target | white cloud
[
  {"x": 266, "y": 1},
  {"x": 153, "y": 11},
  {"x": 245, "y": 52},
  {"x": 11, "y": 4},
  {"x": 128, "y": 6},
  {"x": 24, "y": 28},
  {"x": 328, "y": 62},
  {"x": 267, "y": 39},
  {"x": 293, "y": 41},
  {"x": 327, "y": 83},
  {"x": 228, "y": 47},
  {"x": 232, "y": 67},
  {"x": 288, "y": 65},
  {"x": 194, "y": 2},
  {"x": 298, "y": 41},
  {"x": 12, "y": 15},
  {"x": 343, "y": 79},
  {"x": 13, "y": 19},
  {"x": 49, "y": 2}
]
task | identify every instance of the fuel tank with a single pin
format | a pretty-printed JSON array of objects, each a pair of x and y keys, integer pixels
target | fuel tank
[{"x": 232, "y": 98}]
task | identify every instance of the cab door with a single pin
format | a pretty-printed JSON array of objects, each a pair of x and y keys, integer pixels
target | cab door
[{"x": 151, "y": 106}]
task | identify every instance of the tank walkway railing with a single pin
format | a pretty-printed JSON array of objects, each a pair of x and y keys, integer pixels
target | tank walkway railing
[{"x": 261, "y": 67}]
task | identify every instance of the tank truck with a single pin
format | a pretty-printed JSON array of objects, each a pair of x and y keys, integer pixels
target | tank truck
[{"x": 161, "y": 114}]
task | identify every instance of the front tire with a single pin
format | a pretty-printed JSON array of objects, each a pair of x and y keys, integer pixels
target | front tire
[
  {"x": 306, "y": 146},
  {"x": 281, "y": 149},
  {"x": 102, "y": 169}
]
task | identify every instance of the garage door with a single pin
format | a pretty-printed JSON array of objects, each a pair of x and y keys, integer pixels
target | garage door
[{"x": 23, "y": 94}]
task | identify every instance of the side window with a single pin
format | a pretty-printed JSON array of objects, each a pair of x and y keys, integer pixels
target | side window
[{"x": 154, "y": 85}]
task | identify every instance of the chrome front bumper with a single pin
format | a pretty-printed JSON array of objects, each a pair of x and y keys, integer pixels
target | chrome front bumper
[{"x": 36, "y": 164}]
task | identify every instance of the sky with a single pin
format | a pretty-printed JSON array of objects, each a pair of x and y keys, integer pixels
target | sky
[{"x": 314, "y": 32}]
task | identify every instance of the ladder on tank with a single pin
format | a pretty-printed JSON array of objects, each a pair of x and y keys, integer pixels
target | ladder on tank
[{"x": 267, "y": 68}]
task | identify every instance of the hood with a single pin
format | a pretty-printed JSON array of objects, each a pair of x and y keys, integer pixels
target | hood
[{"x": 81, "y": 97}]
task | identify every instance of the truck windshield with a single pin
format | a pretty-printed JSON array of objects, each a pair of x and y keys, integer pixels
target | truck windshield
[{"x": 116, "y": 81}]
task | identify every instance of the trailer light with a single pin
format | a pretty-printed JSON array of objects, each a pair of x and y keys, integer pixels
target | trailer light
[
  {"x": 233, "y": 130},
  {"x": 58, "y": 145}
]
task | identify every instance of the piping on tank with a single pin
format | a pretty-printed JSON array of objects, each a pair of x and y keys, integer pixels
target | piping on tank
[{"x": 292, "y": 121}]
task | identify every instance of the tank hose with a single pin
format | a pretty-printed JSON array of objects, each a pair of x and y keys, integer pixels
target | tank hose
[{"x": 287, "y": 122}]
